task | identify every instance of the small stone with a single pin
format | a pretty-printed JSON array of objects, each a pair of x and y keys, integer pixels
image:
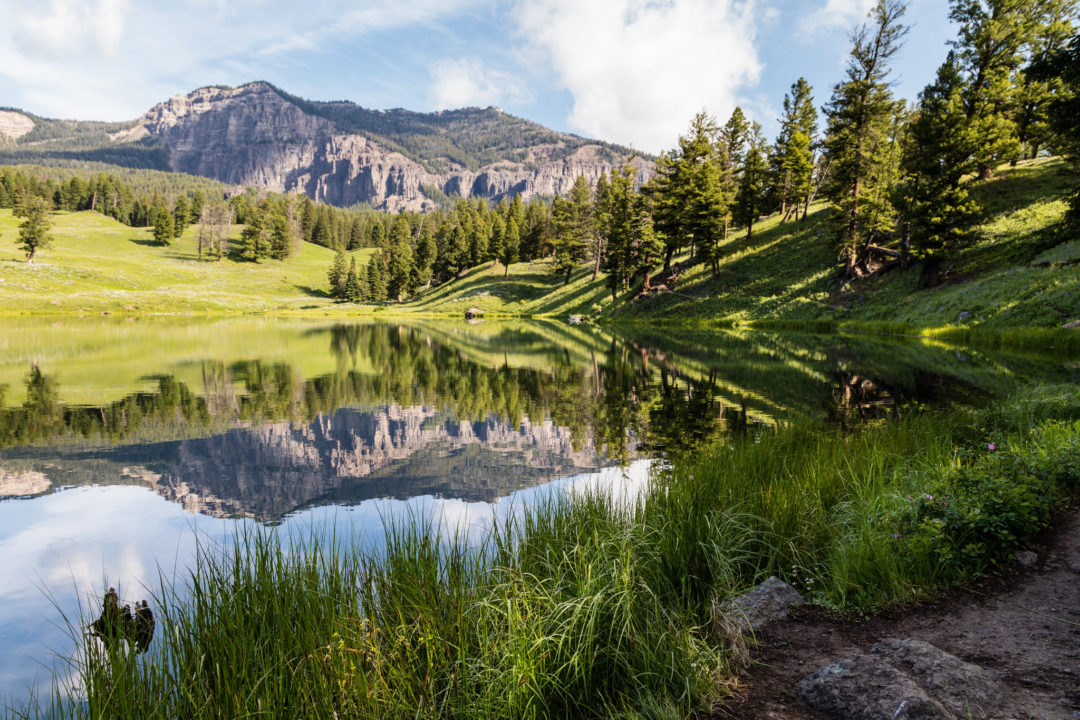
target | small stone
[
  {"x": 963, "y": 316},
  {"x": 767, "y": 602},
  {"x": 1027, "y": 558}
]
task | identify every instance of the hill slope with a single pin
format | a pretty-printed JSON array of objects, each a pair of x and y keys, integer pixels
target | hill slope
[
  {"x": 258, "y": 135},
  {"x": 1019, "y": 270}
]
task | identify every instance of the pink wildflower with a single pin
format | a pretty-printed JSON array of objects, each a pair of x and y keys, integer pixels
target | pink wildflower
[{"x": 991, "y": 446}]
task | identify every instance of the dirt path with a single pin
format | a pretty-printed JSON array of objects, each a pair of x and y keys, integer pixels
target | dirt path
[{"x": 1023, "y": 622}]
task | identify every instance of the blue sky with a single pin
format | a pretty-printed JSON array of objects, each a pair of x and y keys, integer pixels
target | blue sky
[{"x": 628, "y": 71}]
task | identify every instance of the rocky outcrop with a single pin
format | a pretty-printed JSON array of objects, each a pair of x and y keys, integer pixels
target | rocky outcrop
[
  {"x": 14, "y": 125},
  {"x": 254, "y": 136}
]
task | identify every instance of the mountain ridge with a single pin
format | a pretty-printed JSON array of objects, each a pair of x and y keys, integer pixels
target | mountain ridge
[{"x": 258, "y": 135}]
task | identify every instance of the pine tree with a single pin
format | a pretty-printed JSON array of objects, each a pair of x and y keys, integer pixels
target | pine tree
[
  {"x": 254, "y": 239},
  {"x": 1063, "y": 66},
  {"x": 181, "y": 216},
  {"x": 938, "y": 153},
  {"x": 376, "y": 273},
  {"x": 511, "y": 242},
  {"x": 731, "y": 152},
  {"x": 336, "y": 274},
  {"x": 424, "y": 258},
  {"x": 988, "y": 51},
  {"x": 573, "y": 223},
  {"x": 351, "y": 288},
  {"x": 750, "y": 200},
  {"x": 34, "y": 229},
  {"x": 281, "y": 237},
  {"x": 401, "y": 265},
  {"x": 163, "y": 227},
  {"x": 861, "y": 119},
  {"x": 792, "y": 159},
  {"x": 678, "y": 180},
  {"x": 618, "y": 259}
]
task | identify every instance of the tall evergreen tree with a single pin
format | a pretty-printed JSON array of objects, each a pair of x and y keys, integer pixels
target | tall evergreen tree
[
  {"x": 792, "y": 158},
  {"x": 939, "y": 152},
  {"x": 861, "y": 119},
  {"x": 163, "y": 227},
  {"x": 678, "y": 180},
  {"x": 181, "y": 215},
  {"x": 337, "y": 274},
  {"x": 424, "y": 259},
  {"x": 34, "y": 229},
  {"x": 1063, "y": 66},
  {"x": 376, "y": 274},
  {"x": 573, "y": 228},
  {"x": 351, "y": 289},
  {"x": 401, "y": 264},
  {"x": 511, "y": 243},
  {"x": 731, "y": 154},
  {"x": 753, "y": 183},
  {"x": 988, "y": 50},
  {"x": 255, "y": 237}
]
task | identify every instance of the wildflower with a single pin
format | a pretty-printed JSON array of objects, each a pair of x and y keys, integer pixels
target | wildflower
[
  {"x": 896, "y": 535},
  {"x": 991, "y": 447}
]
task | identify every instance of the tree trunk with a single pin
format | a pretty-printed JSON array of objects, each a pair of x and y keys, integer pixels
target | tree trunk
[
  {"x": 667, "y": 258},
  {"x": 506, "y": 270},
  {"x": 905, "y": 245},
  {"x": 648, "y": 274},
  {"x": 568, "y": 271}
]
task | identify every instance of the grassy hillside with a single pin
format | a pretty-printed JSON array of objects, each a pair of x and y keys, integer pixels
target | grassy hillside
[
  {"x": 1019, "y": 270},
  {"x": 98, "y": 265}
]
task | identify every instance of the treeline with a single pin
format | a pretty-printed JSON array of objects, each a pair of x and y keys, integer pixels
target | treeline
[
  {"x": 171, "y": 202},
  {"x": 897, "y": 175},
  {"x": 415, "y": 250}
]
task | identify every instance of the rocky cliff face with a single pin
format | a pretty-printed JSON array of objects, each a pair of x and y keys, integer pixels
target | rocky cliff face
[
  {"x": 14, "y": 125},
  {"x": 269, "y": 471},
  {"x": 255, "y": 136}
]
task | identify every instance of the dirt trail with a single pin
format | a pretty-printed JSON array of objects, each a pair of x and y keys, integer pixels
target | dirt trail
[{"x": 1023, "y": 622}]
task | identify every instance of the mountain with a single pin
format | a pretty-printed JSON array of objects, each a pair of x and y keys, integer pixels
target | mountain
[{"x": 260, "y": 136}]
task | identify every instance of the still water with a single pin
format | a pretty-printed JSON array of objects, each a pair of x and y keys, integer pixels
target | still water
[{"x": 124, "y": 444}]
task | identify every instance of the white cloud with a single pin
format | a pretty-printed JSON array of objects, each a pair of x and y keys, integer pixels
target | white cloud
[
  {"x": 844, "y": 14},
  {"x": 67, "y": 28},
  {"x": 467, "y": 82},
  {"x": 638, "y": 70},
  {"x": 112, "y": 59}
]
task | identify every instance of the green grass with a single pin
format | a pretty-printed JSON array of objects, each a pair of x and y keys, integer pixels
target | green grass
[
  {"x": 97, "y": 265},
  {"x": 582, "y": 607}
]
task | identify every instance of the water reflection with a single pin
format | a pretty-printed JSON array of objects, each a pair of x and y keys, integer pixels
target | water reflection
[{"x": 120, "y": 445}]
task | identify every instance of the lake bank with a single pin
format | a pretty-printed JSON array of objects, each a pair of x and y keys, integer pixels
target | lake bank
[{"x": 585, "y": 606}]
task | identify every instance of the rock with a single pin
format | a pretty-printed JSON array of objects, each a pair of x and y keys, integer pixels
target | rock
[
  {"x": 960, "y": 686},
  {"x": 1072, "y": 325},
  {"x": 474, "y": 313},
  {"x": 13, "y": 125},
  {"x": 905, "y": 680},
  {"x": 963, "y": 316},
  {"x": 253, "y": 135},
  {"x": 574, "y": 319},
  {"x": 867, "y": 687},
  {"x": 1026, "y": 558},
  {"x": 767, "y": 602}
]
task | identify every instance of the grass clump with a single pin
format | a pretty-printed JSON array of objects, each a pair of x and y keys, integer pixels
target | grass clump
[{"x": 583, "y": 606}]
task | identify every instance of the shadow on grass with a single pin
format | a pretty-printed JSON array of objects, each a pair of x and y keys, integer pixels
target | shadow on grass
[{"x": 313, "y": 292}]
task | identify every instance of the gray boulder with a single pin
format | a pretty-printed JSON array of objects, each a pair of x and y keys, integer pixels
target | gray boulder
[
  {"x": 903, "y": 680},
  {"x": 767, "y": 602}
]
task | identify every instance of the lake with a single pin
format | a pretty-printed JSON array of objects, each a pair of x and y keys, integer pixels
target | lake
[{"x": 126, "y": 443}]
